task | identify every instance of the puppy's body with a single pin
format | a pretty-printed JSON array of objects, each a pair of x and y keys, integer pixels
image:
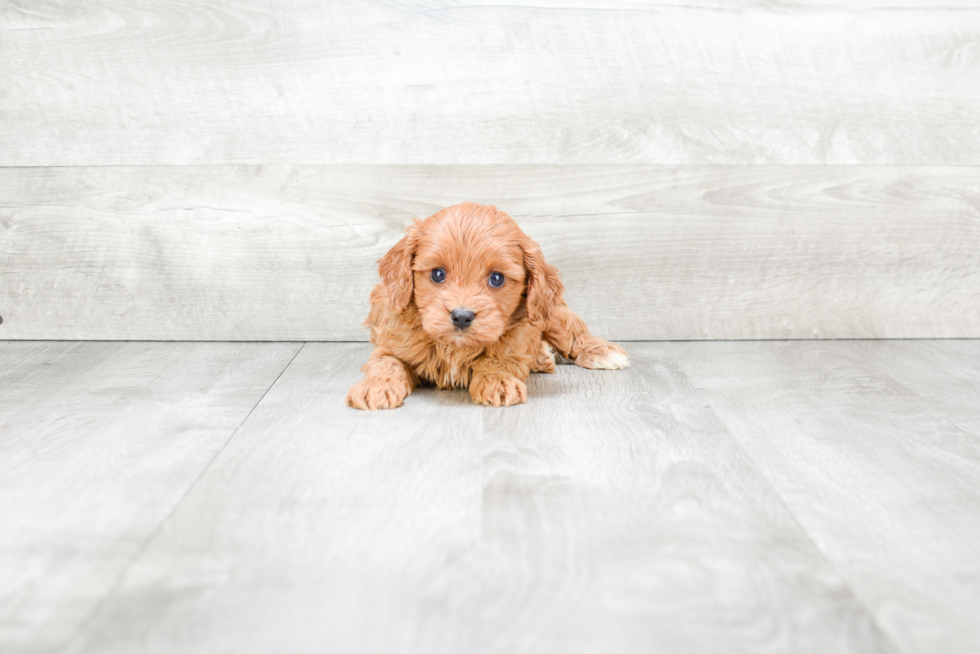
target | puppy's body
[{"x": 466, "y": 300}]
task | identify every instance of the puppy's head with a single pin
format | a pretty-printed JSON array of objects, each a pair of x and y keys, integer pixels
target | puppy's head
[{"x": 472, "y": 273}]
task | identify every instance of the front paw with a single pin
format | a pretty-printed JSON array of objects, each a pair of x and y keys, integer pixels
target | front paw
[
  {"x": 600, "y": 354},
  {"x": 372, "y": 394},
  {"x": 498, "y": 389}
]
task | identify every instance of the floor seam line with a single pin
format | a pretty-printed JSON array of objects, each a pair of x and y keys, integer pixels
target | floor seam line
[
  {"x": 886, "y": 637},
  {"x": 709, "y": 404},
  {"x": 84, "y": 626}
]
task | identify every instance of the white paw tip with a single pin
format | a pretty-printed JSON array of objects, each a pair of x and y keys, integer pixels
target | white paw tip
[{"x": 615, "y": 361}]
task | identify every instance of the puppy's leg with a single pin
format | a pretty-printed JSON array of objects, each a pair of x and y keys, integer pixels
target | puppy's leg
[
  {"x": 545, "y": 360},
  {"x": 493, "y": 384},
  {"x": 499, "y": 375},
  {"x": 386, "y": 384},
  {"x": 568, "y": 333}
]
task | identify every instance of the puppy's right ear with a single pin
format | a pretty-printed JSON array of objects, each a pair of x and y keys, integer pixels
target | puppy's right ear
[{"x": 396, "y": 269}]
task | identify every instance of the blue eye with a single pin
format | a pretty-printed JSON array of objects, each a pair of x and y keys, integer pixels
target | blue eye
[
  {"x": 496, "y": 279},
  {"x": 438, "y": 275}
]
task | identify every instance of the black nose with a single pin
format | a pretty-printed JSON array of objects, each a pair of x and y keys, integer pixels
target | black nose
[{"x": 462, "y": 318}]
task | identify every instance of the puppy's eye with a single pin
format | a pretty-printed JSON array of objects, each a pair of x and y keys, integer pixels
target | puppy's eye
[
  {"x": 438, "y": 275},
  {"x": 496, "y": 279}
]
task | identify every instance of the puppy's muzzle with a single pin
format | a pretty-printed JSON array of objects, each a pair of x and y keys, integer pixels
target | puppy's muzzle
[{"x": 462, "y": 318}]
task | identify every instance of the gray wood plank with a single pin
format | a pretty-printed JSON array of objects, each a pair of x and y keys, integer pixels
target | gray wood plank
[
  {"x": 319, "y": 529},
  {"x": 98, "y": 443},
  {"x": 255, "y": 81},
  {"x": 647, "y": 252},
  {"x": 881, "y": 478},
  {"x": 612, "y": 509},
  {"x": 620, "y": 516},
  {"x": 946, "y": 373},
  {"x": 25, "y": 367}
]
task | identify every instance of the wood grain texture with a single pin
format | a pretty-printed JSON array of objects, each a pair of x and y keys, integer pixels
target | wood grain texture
[
  {"x": 422, "y": 82},
  {"x": 647, "y": 252},
  {"x": 318, "y": 529},
  {"x": 613, "y": 509},
  {"x": 808, "y": 496},
  {"x": 98, "y": 444},
  {"x": 945, "y": 373},
  {"x": 883, "y": 478},
  {"x": 619, "y": 515}
]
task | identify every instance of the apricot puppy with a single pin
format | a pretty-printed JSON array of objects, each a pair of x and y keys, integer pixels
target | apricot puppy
[{"x": 467, "y": 300}]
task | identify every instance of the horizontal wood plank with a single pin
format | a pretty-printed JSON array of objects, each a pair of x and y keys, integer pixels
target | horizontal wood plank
[
  {"x": 417, "y": 82},
  {"x": 647, "y": 252}
]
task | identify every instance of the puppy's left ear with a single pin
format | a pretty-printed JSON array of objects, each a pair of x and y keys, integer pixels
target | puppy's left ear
[
  {"x": 544, "y": 288},
  {"x": 395, "y": 268}
]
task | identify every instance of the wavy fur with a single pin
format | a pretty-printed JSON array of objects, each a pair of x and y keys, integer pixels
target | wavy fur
[{"x": 517, "y": 329}]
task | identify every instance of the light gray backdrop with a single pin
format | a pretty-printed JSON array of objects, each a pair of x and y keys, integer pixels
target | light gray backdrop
[{"x": 232, "y": 170}]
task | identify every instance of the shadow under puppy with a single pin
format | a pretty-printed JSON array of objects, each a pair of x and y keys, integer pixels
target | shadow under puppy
[{"x": 467, "y": 300}]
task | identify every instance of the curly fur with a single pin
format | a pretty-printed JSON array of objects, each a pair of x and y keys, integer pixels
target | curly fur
[{"x": 517, "y": 329}]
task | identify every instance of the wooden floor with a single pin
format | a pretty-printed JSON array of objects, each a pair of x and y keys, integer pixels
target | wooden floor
[{"x": 793, "y": 496}]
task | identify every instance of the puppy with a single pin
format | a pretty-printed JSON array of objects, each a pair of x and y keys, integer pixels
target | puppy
[{"x": 467, "y": 300}]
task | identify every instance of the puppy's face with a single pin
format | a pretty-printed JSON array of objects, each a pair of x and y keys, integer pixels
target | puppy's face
[
  {"x": 469, "y": 270},
  {"x": 468, "y": 282}
]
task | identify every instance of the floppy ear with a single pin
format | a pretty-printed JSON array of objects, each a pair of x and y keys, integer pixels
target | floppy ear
[
  {"x": 396, "y": 269},
  {"x": 544, "y": 288}
]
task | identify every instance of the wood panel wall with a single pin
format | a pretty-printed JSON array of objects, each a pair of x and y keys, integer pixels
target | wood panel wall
[{"x": 232, "y": 170}]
